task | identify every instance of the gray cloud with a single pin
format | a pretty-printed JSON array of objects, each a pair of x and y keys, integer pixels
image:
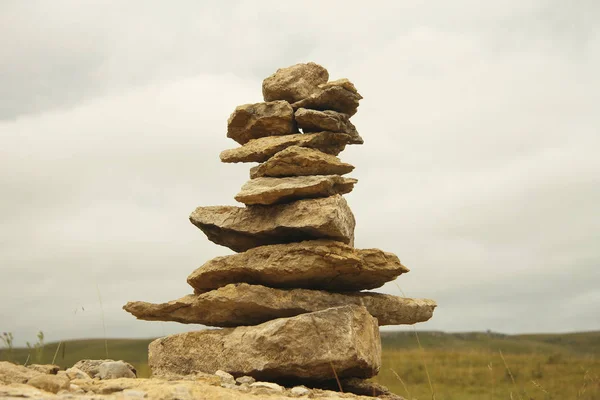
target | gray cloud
[{"x": 479, "y": 168}]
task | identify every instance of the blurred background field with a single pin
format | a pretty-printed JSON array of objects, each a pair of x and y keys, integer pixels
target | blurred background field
[{"x": 423, "y": 365}]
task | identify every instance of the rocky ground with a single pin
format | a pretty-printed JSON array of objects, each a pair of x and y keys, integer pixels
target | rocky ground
[{"x": 109, "y": 379}]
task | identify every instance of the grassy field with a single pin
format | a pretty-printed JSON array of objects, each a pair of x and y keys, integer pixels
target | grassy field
[{"x": 465, "y": 366}]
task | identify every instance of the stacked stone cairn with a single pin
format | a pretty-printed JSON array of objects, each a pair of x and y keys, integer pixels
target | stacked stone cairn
[{"x": 291, "y": 299}]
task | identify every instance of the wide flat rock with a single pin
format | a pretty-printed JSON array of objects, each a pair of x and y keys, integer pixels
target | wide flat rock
[
  {"x": 313, "y": 264},
  {"x": 242, "y": 228},
  {"x": 340, "y": 95},
  {"x": 300, "y": 161},
  {"x": 295, "y": 82},
  {"x": 307, "y": 347},
  {"x": 280, "y": 190},
  {"x": 243, "y": 304},
  {"x": 261, "y": 149},
  {"x": 252, "y": 121},
  {"x": 328, "y": 120}
]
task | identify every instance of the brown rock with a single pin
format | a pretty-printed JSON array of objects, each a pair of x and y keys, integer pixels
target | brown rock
[
  {"x": 50, "y": 383},
  {"x": 242, "y": 228},
  {"x": 92, "y": 367},
  {"x": 280, "y": 190},
  {"x": 45, "y": 369},
  {"x": 252, "y": 121},
  {"x": 338, "y": 96},
  {"x": 314, "y": 264},
  {"x": 317, "y": 121},
  {"x": 302, "y": 347},
  {"x": 294, "y": 83},
  {"x": 260, "y": 150},
  {"x": 12, "y": 373},
  {"x": 300, "y": 161},
  {"x": 243, "y": 304}
]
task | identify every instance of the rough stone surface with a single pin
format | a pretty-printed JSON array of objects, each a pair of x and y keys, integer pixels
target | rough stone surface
[
  {"x": 282, "y": 190},
  {"x": 45, "y": 368},
  {"x": 12, "y": 373},
  {"x": 313, "y": 264},
  {"x": 243, "y": 304},
  {"x": 260, "y": 150},
  {"x": 50, "y": 383},
  {"x": 300, "y": 391},
  {"x": 76, "y": 373},
  {"x": 225, "y": 377},
  {"x": 300, "y": 161},
  {"x": 242, "y": 228},
  {"x": 248, "y": 380},
  {"x": 253, "y": 121},
  {"x": 267, "y": 385},
  {"x": 294, "y": 83},
  {"x": 338, "y": 96},
  {"x": 92, "y": 367},
  {"x": 333, "y": 121},
  {"x": 301, "y": 347},
  {"x": 114, "y": 370}
]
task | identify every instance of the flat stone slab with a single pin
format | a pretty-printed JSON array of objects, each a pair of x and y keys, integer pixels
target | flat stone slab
[
  {"x": 294, "y": 83},
  {"x": 300, "y": 161},
  {"x": 340, "y": 96},
  {"x": 307, "y": 347},
  {"x": 252, "y": 121},
  {"x": 281, "y": 190},
  {"x": 313, "y": 264},
  {"x": 243, "y": 304},
  {"x": 242, "y": 228},
  {"x": 260, "y": 150},
  {"x": 328, "y": 120}
]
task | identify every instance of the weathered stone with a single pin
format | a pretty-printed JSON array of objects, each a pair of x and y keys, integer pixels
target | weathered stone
[
  {"x": 12, "y": 373},
  {"x": 294, "y": 83},
  {"x": 314, "y": 264},
  {"x": 300, "y": 161},
  {"x": 260, "y": 150},
  {"x": 245, "y": 380},
  {"x": 307, "y": 347},
  {"x": 50, "y": 383},
  {"x": 298, "y": 391},
  {"x": 333, "y": 121},
  {"x": 50, "y": 369},
  {"x": 242, "y": 228},
  {"x": 115, "y": 370},
  {"x": 243, "y": 304},
  {"x": 338, "y": 96},
  {"x": 253, "y": 121},
  {"x": 282, "y": 190},
  {"x": 225, "y": 377},
  {"x": 76, "y": 373},
  {"x": 267, "y": 385},
  {"x": 92, "y": 367}
]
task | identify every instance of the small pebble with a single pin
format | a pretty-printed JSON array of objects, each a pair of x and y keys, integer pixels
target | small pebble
[
  {"x": 267, "y": 385},
  {"x": 245, "y": 379},
  {"x": 298, "y": 391}
]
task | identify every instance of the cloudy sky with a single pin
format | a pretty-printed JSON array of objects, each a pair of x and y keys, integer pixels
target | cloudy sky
[{"x": 480, "y": 167}]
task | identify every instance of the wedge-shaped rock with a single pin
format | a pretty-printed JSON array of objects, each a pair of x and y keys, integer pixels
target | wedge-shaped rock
[
  {"x": 242, "y": 228},
  {"x": 313, "y": 264},
  {"x": 252, "y": 121},
  {"x": 300, "y": 161},
  {"x": 317, "y": 121},
  {"x": 280, "y": 190},
  {"x": 243, "y": 304},
  {"x": 294, "y": 83},
  {"x": 260, "y": 150},
  {"x": 316, "y": 346},
  {"x": 340, "y": 95}
]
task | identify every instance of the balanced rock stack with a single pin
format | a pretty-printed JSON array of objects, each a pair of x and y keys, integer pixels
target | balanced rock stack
[{"x": 291, "y": 298}]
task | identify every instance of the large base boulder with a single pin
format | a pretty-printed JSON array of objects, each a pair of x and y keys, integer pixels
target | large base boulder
[
  {"x": 242, "y": 228},
  {"x": 243, "y": 304},
  {"x": 342, "y": 341},
  {"x": 312, "y": 264}
]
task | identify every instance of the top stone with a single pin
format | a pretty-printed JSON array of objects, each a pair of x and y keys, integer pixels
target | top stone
[{"x": 294, "y": 83}]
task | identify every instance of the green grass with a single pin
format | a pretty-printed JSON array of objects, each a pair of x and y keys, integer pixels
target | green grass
[{"x": 462, "y": 366}]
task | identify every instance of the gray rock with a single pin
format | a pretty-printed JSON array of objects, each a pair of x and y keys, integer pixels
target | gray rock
[
  {"x": 303, "y": 347},
  {"x": 267, "y": 385},
  {"x": 298, "y": 391},
  {"x": 115, "y": 370},
  {"x": 245, "y": 379}
]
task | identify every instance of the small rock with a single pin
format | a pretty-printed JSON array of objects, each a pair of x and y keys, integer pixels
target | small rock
[
  {"x": 73, "y": 388},
  {"x": 114, "y": 370},
  {"x": 50, "y": 383},
  {"x": 76, "y": 373},
  {"x": 245, "y": 379},
  {"x": 267, "y": 385},
  {"x": 226, "y": 377},
  {"x": 136, "y": 394},
  {"x": 253, "y": 121},
  {"x": 49, "y": 369},
  {"x": 298, "y": 391}
]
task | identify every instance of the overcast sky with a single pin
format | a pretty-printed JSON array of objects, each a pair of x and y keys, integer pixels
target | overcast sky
[{"x": 480, "y": 167}]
